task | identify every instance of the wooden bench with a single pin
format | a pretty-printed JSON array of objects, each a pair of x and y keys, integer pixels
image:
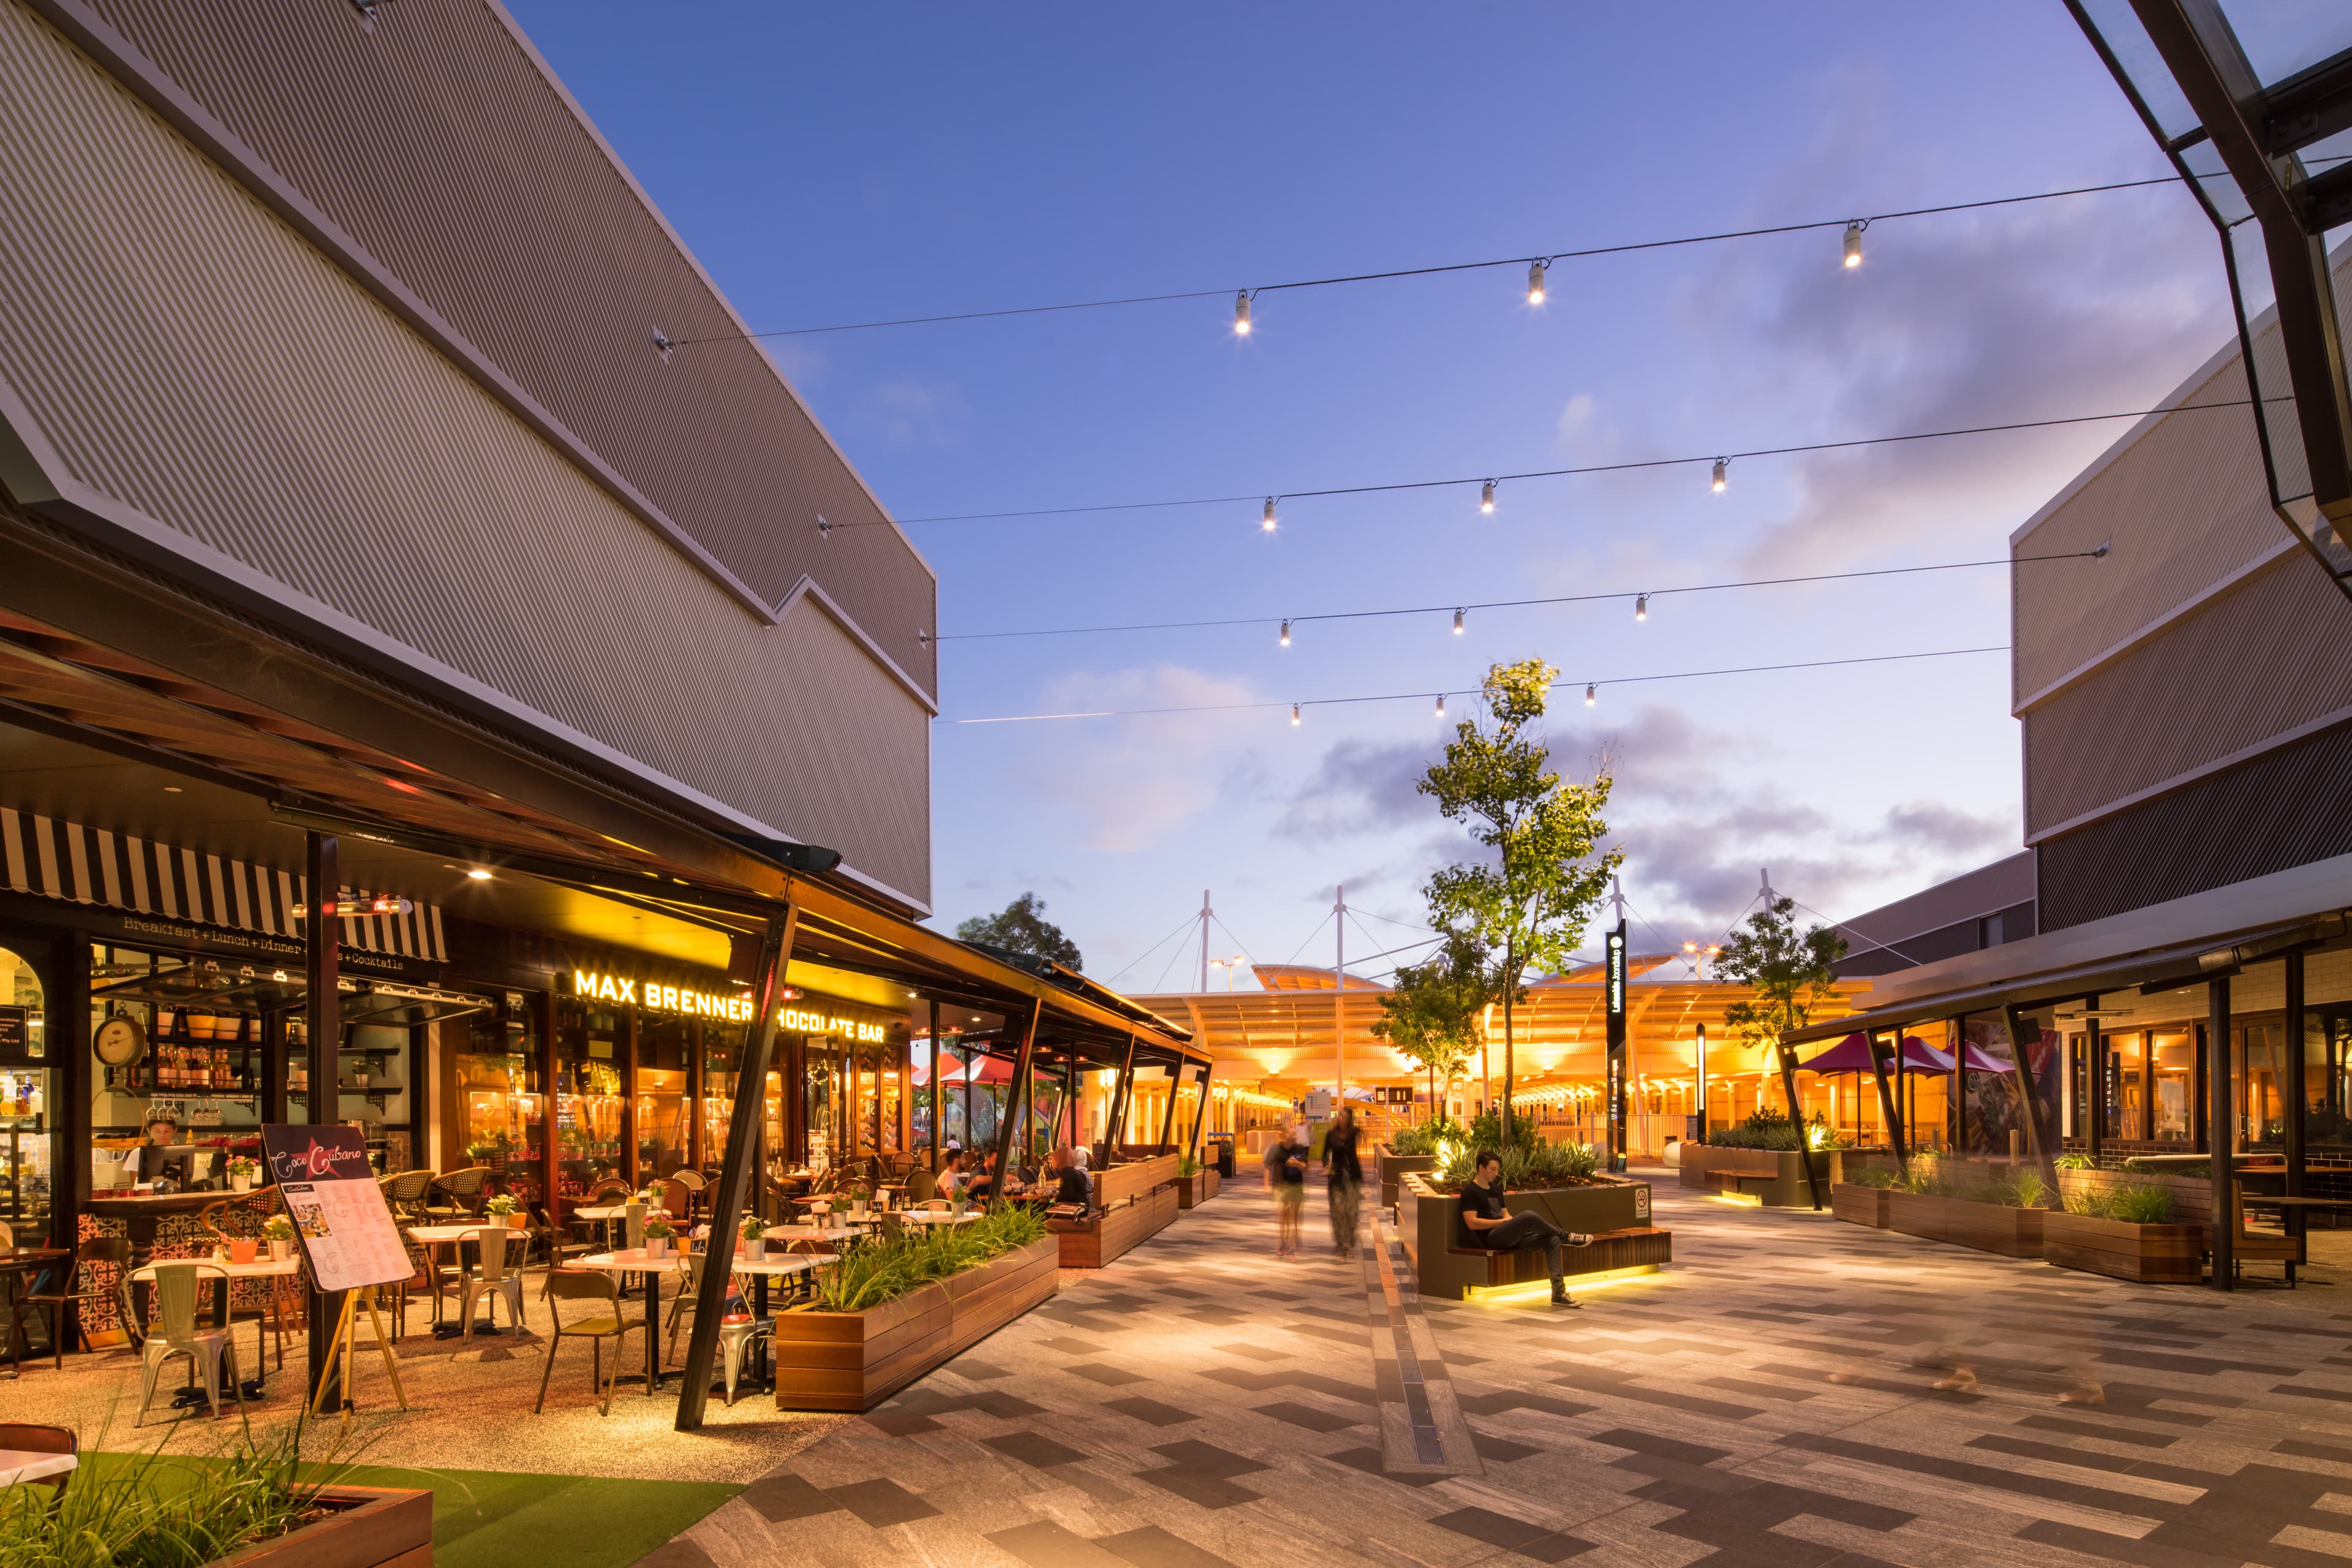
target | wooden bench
[
  {"x": 1610, "y": 1250},
  {"x": 1734, "y": 1184},
  {"x": 2260, "y": 1245}
]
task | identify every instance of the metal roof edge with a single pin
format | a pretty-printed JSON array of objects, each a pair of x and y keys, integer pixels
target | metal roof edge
[{"x": 809, "y": 587}]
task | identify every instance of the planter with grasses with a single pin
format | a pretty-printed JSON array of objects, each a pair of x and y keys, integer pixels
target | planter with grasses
[
  {"x": 1412, "y": 1149},
  {"x": 1562, "y": 1181},
  {"x": 1949, "y": 1201},
  {"x": 1195, "y": 1183},
  {"x": 250, "y": 1506},
  {"x": 2127, "y": 1230},
  {"x": 1860, "y": 1204},
  {"x": 888, "y": 1312},
  {"x": 1761, "y": 1158}
]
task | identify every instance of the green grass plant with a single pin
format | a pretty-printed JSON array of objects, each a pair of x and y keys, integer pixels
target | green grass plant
[
  {"x": 1771, "y": 1129},
  {"x": 879, "y": 1272},
  {"x": 2134, "y": 1203},
  {"x": 1526, "y": 1168}
]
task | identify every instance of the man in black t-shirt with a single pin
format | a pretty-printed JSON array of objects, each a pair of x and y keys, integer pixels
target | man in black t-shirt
[
  {"x": 1492, "y": 1225},
  {"x": 1072, "y": 1185}
]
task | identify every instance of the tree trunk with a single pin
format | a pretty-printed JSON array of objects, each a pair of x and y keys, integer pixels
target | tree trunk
[{"x": 1510, "y": 986}]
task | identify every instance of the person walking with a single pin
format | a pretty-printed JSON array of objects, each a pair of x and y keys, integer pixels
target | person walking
[
  {"x": 1343, "y": 1180},
  {"x": 1492, "y": 1225},
  {"x": 1286, "y": 1178}
]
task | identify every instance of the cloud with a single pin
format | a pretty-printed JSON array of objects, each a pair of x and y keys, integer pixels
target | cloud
[
  {"x": 917, "y": 411},
  {"x": 1361, "y": 786},
  {"x": 1129, "y": 782}
]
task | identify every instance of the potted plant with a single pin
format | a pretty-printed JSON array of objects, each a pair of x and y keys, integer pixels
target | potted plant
[
  {"x": 754, "y": 1232},
  {"x": 659, "y": 1232},
  {"x": 278, "y": 1231},
  {"x": 242, "y": 1169},
  {"x": 503, "y": 1208}
]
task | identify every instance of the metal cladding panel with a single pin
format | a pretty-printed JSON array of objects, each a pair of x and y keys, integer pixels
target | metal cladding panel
[
  {"x": 191, "y": 357},
  {"x": 436, "y": 140},
  {"x": 2185, "y": 504},
  {"x": 2283, "y": 809},
  {"x": 2248, "y": 665}
]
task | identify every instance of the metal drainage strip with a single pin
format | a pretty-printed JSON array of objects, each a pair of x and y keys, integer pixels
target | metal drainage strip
[{"x": 1427, "y": 1448}]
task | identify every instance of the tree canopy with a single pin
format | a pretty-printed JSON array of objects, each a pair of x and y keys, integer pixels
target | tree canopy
[
  {"x": 1432, "y": 1013},
  {"x": 1792, "y": 972},
  {"x": 1021, "y": 926}
]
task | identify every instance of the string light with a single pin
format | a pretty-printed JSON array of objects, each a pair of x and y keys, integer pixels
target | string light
[
  {"x": 1487, "y": 497},
  {"x": 1294, "y": 715},
  {"x": 1591, "y": 693},
  {"x": 1722, "y": 467},
  {"x": 1265, "y": 523},
  {"x": 1854, "y": 242},
  {"x": 1286, "y": 634},
  {"x": 1640, "y": 606},
  {"x": 1457, "y": 623},
  {"x": 1536, "y": 270},
  {"x": 1441, "y": 705},
  {"x": 1240, "y": 314}
]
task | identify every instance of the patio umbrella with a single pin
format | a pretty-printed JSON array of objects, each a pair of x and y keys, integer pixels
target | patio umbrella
[
  {"x": 1977, "y": 1061},
  {"x": 983, "y": 1070},
  {"x": 1852, "y": 1055}
]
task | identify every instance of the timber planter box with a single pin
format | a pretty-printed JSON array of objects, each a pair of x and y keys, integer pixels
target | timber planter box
[
  {"x": 2146, "y": 1254},
  {"x": 1198, "y": 1188},
  {"x": 2193, "y": 1197},
  {"x": 1090, "y": 1242},
  {"x": 1133, "y": 1178},
  {"x": 1988, "y": 1228},
  {"x": 854, "y": 1361},
  {"x": 1861, "y": 1205},
  {"x": 370, "y": 1527},
  {"x": 1614, "y": 1207},
  {"x": 1774, "y": 1177},
  {"x": 1393, "y": 1167}
]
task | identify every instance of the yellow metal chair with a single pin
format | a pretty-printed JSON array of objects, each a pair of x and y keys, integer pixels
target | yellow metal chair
[{"x": 592, "y": 1285}]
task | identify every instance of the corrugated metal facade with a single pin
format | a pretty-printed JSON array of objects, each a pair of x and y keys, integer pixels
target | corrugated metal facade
[
  {"x": 436, "y": 140},
  {"x": 191, "y": 357}
]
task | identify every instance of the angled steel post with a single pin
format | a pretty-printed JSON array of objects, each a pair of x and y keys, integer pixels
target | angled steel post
[
  {"x": 1167, "y": 1121},
  {"x": 1888, "y": 1107},
  {"x": 1201, "y": 1115},
  {"x": 2029, "y": 1084},
  {"x": 742, "y": 1167},
  {"x": 1123, "y": 1086},
  {"x": 1796, "y": 1119},
  {"x": 1016, "y": 1096}
]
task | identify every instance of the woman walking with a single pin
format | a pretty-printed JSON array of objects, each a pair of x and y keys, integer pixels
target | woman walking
[
  {"x": 1286, "y": 1178},
  {"x": 1343, "y": 1176}
]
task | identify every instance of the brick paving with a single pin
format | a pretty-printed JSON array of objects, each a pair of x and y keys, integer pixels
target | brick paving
[{"x": 1794, "y": 1391}]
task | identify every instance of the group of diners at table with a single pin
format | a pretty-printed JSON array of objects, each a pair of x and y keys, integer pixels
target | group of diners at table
[{"x": 617, "y": 1245}]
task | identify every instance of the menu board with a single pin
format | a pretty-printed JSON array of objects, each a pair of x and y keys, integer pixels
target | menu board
[{"x": 337, "y": 1208}]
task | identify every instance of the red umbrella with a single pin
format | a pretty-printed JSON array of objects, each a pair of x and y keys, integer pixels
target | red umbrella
[
  {"x": 983, "y": 1070},
  {"x": 1852, "y": 1055}
]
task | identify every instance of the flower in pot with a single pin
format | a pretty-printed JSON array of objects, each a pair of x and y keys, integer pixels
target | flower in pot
[
  {"x": 278, "y": 1231},
  {"x": 242, "y": 1169},
  {"x": 659, "y": 1232},
  {"x": 754, "y": 1232},
  {"x": 505, "y": 1210}
]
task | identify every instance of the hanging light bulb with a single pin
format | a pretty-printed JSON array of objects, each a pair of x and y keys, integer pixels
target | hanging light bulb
[
  {"x": 1640, "y": 606},
  {"x": 1266, "y": 523},
  {"x": 1722, "y": 466},
  {"x": 1294, "y": 715},
  {"x": 1487, "y": 497},
  {"x": 1240, "y": 314},
  {"x": 1590, "y": 692},
  {"x": 1286, "y": 634},
  {"x": 1441, "y": 705},
  {"x": 1854, "y": 242},
  {"x": 1457, "y": 623},
  {"x": 1536, "y": 270}
]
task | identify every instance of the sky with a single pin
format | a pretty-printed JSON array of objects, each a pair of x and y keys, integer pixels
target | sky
[{"x": 845, "y": 164}]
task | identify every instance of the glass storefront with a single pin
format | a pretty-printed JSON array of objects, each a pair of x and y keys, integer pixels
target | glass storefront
[
  {"x": 498, "y": 1100},
  {"x": 591, "y": 1103},
  {"x": 27, "y": 1095},
  {"x": 665, "y": 1070},
  {"x": 2171, "y": 1057}
]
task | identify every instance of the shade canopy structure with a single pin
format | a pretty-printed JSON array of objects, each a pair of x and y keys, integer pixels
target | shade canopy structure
[
  {"x": 1852, "y": 1055},
  {"x": 1977, "y": 1061}
]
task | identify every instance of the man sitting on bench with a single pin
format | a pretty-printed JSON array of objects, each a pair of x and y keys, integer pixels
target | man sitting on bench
[{"x": 1493, "y": 1226}]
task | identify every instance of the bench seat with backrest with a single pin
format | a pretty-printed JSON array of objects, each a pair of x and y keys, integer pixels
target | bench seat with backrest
[
  {"x": 2260, "y": 1245},
  {"x": 1610, "y": 1249}
]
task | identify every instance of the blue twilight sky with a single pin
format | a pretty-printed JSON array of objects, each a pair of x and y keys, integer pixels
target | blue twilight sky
[{"x": 846, "y": 164}]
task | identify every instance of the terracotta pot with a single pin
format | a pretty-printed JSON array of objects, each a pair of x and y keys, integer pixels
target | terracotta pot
[{"x": 241, "y": 1249}]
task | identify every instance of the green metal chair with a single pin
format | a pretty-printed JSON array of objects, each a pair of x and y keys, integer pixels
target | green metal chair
[
  {"x": 175, "y": 1336},
  {"x": 592, "y": 1285}
]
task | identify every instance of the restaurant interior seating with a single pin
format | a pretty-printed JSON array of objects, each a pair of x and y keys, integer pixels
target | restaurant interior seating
[
  {"x": 404, "y": 1193},
  {"x": 592, "y": 1285},
  {"x": 174, "y": 1336},
  {"x": 457, "y": 1195},
  {"x": 83, "y": 1282}
]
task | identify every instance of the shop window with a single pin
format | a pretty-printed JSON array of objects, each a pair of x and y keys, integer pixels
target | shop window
[
  {"x": 2127, "y": 1085},
  {"x": 27, "y": 1091},
  {"x": 2172, "y": 1061},
  {"x": 590, "y": 1052},
  {"x": 2264, "y": 1076},
  {"x": 665, "y": 1129},
  {"x": 497, "y": 1099}
]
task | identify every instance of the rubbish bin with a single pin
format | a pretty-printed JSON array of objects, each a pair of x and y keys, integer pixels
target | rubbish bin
[{"x": 1222, "y": 1150}]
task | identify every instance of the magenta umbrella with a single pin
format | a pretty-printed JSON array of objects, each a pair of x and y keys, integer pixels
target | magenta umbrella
[
  {"x": 1852, "y": 1055},
  {"x": 1977, "y": 1061}
]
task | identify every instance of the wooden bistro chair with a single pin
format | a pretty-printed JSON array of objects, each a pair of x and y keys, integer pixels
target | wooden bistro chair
[
  {"x": 2259, "y": 1245},
  {"x": 175, "y": 1336},
  {"x": 84, "y": 1286},
  {"x": 27, "y": 1438},
  {"x": 592, "y": 1285},
  {"x": 404, "y": 1194}
]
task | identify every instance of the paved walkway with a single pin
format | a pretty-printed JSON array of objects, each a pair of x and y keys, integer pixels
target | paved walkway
[{"x": 1794, "y": 1391}]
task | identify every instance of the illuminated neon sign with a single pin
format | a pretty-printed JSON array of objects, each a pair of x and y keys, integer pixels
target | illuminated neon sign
[{"x": 737, "y": 1009}]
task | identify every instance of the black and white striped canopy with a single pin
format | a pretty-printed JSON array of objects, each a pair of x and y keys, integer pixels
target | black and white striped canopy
[{"x": 58, "y": 859}]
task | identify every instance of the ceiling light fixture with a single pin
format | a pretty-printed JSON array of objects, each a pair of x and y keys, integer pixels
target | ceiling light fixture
[{"x": 478, "y": 874}]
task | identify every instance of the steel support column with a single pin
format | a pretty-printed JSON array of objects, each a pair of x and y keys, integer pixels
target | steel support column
[
  {"x": 2220, "y": 1121},
  {"x": 937, "y": 1103},
  {"x": 1168, "y": 1119},
  {"x": 1888, "y": 1106},
  {"x": 2037, "y": 1137},
  {"x": 1788, "y": 1054},
  {"x": 321, "y": 1103},
  {"x": 1016, "y": 1097},
  {"x": 741, "y": 1166}
]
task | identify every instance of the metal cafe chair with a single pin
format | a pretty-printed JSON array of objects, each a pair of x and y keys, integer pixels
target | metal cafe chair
[
  {"x": 176, "y": 1336},
  {"x": 488, "y": 1278},
  {"x": 78, "y": 1289},
  {"x": 27, "y": 1438},
  {"x": 592, "y": 1285}
]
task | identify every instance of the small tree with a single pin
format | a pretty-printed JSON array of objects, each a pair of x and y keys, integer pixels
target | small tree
[
  {"x": 1432, "y": 1013},
  {"x": 1533, "y": 900},
  {"x": 1792, "y": 973},
  {"x": 1021, "y": 927}
]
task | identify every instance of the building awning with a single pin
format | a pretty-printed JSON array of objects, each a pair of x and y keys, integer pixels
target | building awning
[
  {"x": 2182, "y": 964},
  {"x": 52, "y": 858}
]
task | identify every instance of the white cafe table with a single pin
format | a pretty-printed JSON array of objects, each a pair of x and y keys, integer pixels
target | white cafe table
[
  {"x": 263, "y": 1266},
  {"x": 23, "y": 1465},
  {"x": 634, "y": 1261},
  {"x": 433, "y": 1235},
  {"x": 940, "y": 1216}
]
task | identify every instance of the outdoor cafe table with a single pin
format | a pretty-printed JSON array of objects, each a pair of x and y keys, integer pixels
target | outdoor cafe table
[
  {"x": 653, "y": 1268},
  {"x": 277, "y": 1270},
  {"x": 24, "y": 1465},
  {"x": 23, "y": 1261},
  {"x": 433, "y": 1235},
  {"x": 941, "y": 1217}
]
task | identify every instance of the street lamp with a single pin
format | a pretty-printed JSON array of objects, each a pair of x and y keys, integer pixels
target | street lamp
[{"x": 1229, "y": 966}]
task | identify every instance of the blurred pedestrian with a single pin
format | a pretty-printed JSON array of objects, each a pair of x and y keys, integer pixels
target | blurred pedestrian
[
  {"x": 1343, "y": 1179},
  {"x": 1286, "y": 1178}
]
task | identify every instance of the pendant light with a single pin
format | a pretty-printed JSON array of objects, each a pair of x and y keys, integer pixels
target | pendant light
[
  {"x": 1487, "y": 497},
  {"x": 1853, "y": 243},
  {"x": 1286, "y": 634},
  {"x": 1536, "y": 270},
  {"x": 1589, "y": 693},
  {"x": 1640, "y": 606},
  {"x": 1294, "y": 715},
  {"x": 1457, "y": 623},
  {"x": 1240, "y": 314},
  {"x": 1266, "y": 523},
  {"x": 1722, "y": 467}
]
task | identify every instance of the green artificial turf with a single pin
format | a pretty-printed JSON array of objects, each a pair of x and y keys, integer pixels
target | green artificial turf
[{"x": 490, "y": 1518}]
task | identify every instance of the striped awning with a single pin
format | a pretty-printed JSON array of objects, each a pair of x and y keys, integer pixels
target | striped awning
[{"x": 54, "y": 858}]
